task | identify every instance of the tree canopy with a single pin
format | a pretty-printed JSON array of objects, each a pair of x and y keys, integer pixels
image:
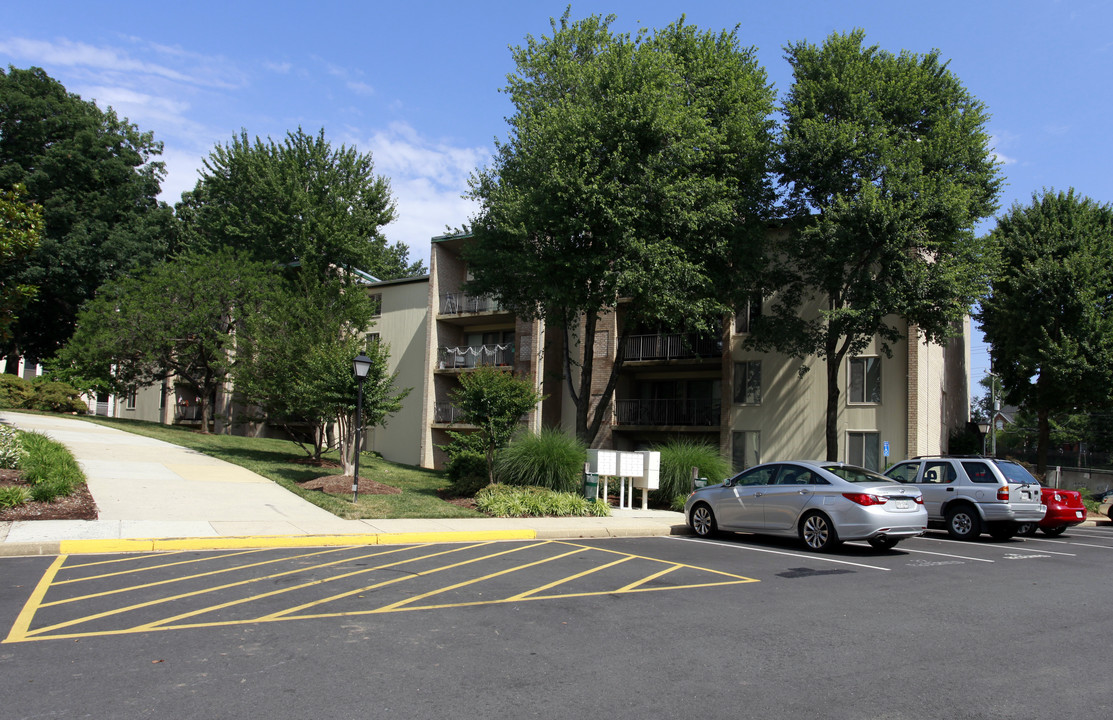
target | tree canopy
[
  {"x": 21, "y": 226},
  {"x": 887, "y": 170},
  {"x": 179, "y": 319},
  {"x": 298, "y": 201},
  {"x": 97, "y": 181},
  {"x": 635, "y": 169},
  {"x": 294, "y": 361},
  {"x": 1049, "y": 315},
  {"x": 494, "y": 401}
]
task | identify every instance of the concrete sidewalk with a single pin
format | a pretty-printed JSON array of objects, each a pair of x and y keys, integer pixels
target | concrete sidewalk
[{"x": 156, "y": 496}]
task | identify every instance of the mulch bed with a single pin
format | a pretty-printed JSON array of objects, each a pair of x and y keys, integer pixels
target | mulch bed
[
  {"x": 78, "y": 506},
  {"x": 340, "y": 484}
]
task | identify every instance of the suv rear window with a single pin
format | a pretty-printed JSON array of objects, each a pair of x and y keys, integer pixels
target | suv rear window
[
  {"x": 980, "y": 472},
  {"x": 1015, "y": 472}
]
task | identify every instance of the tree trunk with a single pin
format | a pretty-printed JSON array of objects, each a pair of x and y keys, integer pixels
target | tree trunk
[
  {"x": 1044, "y": 441},
  {"x": 583, "y": 397}
]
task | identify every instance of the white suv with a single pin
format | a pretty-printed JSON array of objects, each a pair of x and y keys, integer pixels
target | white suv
[{"x": 969, "y": 495}]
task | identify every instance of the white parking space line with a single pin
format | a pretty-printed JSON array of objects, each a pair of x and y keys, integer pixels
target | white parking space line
[
  {"x": 1006, "y": 548},
  {"x": 928, "y": 552},
  {"x": 1073, "y": 543},
  {"x": 779, "y": 552}
]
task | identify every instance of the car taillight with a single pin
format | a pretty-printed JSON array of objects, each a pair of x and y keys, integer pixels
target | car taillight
[
  {"x": 1003, "y": 493},
  {"x": 919, "y": 499},
  {"x": 864, "y": 498}
]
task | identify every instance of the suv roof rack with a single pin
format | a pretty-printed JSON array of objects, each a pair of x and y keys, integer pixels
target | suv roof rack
[{"x": 971, "y": 457}]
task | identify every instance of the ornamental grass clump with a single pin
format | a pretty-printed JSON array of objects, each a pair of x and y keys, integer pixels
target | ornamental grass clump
[
  {"x": 49, "y": 468},
  {"x": 549, "y": 459},
  {"x": 678, "y": 457}
]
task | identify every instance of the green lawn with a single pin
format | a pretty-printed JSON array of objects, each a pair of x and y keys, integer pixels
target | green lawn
[{"x": 278, "y": 460}]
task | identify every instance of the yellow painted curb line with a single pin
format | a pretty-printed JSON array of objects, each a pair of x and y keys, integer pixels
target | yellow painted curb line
[{"x": 78, "y": 547}]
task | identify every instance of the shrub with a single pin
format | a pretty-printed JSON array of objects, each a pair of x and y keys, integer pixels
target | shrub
[
  {"x": 507, "y": 501},
  {"x": 49, "y": 467},
  {"x": 13, "y": 496},
  {"x": 52, "y": 396},
  {"x": 467, "y": 463},
  {"x": 14, "y": 391},
  {"x": 678, "y": 457},
  {"x": 549, "y": 459},
  {"x": 11, "y": 448}
]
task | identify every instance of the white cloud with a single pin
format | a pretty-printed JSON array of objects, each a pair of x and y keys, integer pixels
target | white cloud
[
  {"x": 428, "y": 178},
  {"x": 360, "y": 88},
  {"x": 995, "y": 142}
]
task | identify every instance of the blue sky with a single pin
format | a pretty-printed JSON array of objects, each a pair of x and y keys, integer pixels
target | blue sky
[{"x": 417, "y": 83}]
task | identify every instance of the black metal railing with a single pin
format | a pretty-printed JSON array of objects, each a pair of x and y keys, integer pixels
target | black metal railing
[
  {"x": 667, "y": 412},
  {"x": 672, "y": 346},
  {"x": 459, "y": 303},
  {"x": 446, "y": 413},
  {"x": 465, "y": 356}
]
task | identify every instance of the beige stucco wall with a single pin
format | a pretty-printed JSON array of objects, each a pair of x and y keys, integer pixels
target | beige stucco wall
[{"x": 402, "y": 325}]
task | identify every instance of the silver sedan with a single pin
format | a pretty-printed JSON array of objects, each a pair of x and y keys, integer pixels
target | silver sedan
[{"x": 823, "y": 503}]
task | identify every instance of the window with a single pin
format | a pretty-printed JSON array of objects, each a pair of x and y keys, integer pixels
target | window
[
  {"x": 373, "y": 337},
  {"x": 758, "y": 476},
  {"x": 862, "y": 450},
  {"x": 745, "y": 449},
  {"x": 865, "y": 380},
  {"x": 747, "y": 382},
  {"x": 905, "y": 472},
  {"x": 979, "y": 472},
  {"x": 939, "y": 472},
  {"x": 377, "y": 303},
  {"x": 131, "y": 400},
  {"x": 793, "y": 475},
  {"x": 744, "y": 318}
]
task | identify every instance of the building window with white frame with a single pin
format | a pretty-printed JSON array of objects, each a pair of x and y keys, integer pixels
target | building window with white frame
[
  {"x": 377, "y": 304},
  {"x": 747, "y": 382},
  {"x": 865, "y": 380},
  {"x": 863, "y": 450}
]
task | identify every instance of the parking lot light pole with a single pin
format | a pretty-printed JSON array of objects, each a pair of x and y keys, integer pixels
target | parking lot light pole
[{"x": 361, "y": 365}]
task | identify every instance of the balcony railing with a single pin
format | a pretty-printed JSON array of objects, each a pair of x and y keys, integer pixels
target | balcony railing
[
  {"x": 459, "y": 303},
  {"x": 675, "y": 346},
  {"x": 475, "y": 356},
  {"x": 446, "y": 413},
  {"x": 666, "y": 412}
]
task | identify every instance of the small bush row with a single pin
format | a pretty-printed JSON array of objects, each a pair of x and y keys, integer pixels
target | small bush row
[
  {"x": 49, "y": 469},
  {"x": 515, "y": 501},
  {"x": 40, "y": 394}
]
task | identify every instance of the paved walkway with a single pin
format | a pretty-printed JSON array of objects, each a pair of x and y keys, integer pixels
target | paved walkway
[{"x": 155, "y": 495}]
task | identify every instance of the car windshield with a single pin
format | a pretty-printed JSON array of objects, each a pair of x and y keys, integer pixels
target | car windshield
[
  {"x": 855, "y": 474},
  {"x": 1015, "y": 472}
]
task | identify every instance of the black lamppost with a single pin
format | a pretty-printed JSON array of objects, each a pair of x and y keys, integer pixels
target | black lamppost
[{"x": 362, "y": 365}]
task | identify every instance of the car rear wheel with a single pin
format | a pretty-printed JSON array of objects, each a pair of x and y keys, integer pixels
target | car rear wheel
[
  {"x": 963, "y": 523},
  {"x": 883, "y": 542},
  {"x": 1054, "y": 531},
  {"x": 817, "y": 532},
  {"x": 703, "y": 521},
  {"x": 1026, "y": 529}
]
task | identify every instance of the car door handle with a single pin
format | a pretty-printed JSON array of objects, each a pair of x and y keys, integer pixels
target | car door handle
[
  {"x": 950, "y": 489},
  {"x": 758, "y": 494},
  {"x": 804, "y": 492}
]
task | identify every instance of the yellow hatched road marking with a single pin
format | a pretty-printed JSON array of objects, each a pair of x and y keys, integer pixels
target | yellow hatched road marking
[
  {"x": 133, "y": 571},
  {"x": 160, "y": 601},
  {"x": 23, "y": 622},
  {"x": 21, "y": 631},
  {"x": 195, "y": 576}
]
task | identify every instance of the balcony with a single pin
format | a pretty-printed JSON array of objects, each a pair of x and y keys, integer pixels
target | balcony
[
  {"x": 446, "y": 414},
  {"x": 459, "y": 303},
  {"x": 675, "y": 346},
  {"x": 464, "y": 357},
  {"x": 667, "y": 412}
]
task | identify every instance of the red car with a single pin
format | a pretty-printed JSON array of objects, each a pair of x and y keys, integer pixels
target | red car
[{"x": 1064, "y": 508}]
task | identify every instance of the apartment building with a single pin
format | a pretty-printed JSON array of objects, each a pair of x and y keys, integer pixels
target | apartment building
[{"x": 754, "y": 406}]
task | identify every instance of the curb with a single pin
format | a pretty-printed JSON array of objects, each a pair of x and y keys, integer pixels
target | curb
[{"x": 141, "y": 545}]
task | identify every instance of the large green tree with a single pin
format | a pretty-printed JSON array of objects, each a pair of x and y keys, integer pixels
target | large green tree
[
  {"x": 887, "y": 170},
  {"x": 178, "y": 319},
  {"x": 636, "y": 169},
  {"x": 97, "y": 180},
  {"x": 294, "y": 362},
  {"x": 298, "y": 201},
  {"x": 21, "y": 226},
  {"x": 1049, "y": 316}
]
